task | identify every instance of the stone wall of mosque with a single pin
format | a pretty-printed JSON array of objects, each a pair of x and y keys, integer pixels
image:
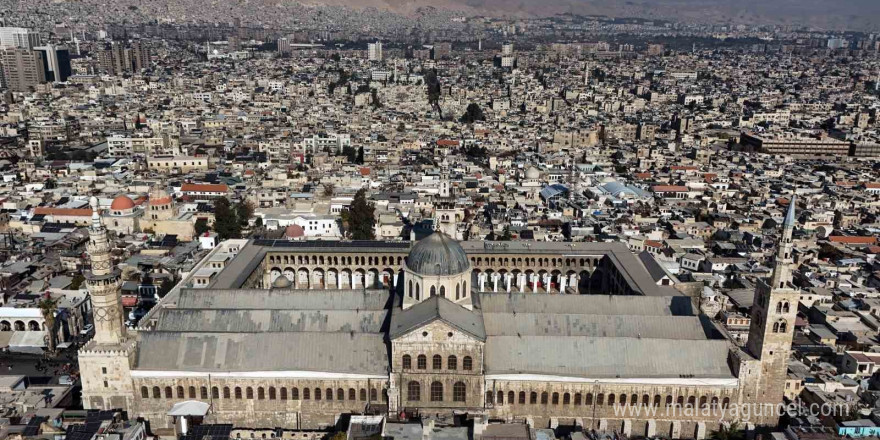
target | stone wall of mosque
[
  {"x": 677, "y": 411},
  {"x": 507, "y": 271},
  {"x": 437, "y": 368},
  {"x": 259, "y": 402}
]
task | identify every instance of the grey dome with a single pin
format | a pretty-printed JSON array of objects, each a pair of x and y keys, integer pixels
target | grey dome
[
  {"x": 437, "y": 254},
  {"x": 281, "y": 283}
]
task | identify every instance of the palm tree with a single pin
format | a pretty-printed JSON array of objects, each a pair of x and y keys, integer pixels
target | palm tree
[
  {"x": 48, "y": 306},
  {"x": 727, "y": 432}
]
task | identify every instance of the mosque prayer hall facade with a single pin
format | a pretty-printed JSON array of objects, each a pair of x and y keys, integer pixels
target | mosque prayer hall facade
[{"x": 294, "y": 334}]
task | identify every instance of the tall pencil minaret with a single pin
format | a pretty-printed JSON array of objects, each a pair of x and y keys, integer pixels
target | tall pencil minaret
[
  {"x": 105, "y": 362},
  {"x": 773, "y": 317},
  {"x": 103, "y": 284}
]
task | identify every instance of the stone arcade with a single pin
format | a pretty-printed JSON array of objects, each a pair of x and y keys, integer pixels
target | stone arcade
[{"x": 294, "y": 334}]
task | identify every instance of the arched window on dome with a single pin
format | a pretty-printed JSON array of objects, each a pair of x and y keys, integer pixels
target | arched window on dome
[
  {"x": 418, "y": 292},
  {"x": 457, "y": 292}
]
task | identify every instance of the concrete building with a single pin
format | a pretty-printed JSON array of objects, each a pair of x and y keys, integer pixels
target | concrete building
[{"x": 22, "y": 69}]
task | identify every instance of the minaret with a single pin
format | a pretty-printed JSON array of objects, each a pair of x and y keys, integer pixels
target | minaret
[
  {"x": 106, "y": 361},
  {"x": 103, "y": 284},
  {"x": 773, "y": 317}
]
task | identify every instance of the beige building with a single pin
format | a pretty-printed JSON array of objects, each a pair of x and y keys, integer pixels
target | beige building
[
  {"x": 22, "y": 69},
  {"x": 294, "y": 334}
]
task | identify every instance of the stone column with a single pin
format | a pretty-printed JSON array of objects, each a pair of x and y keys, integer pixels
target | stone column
[
  {"x": 482, "y": 282},
  {"x": 339, "y": 280},
  {"x": 507, "y": 278},
  {"x": 495, "y": 282},
  {"x": 521, "y": 280},
  {"x": 534, "y": 283},
  {"x": 395, "y": 278},
  {"x": 562, "y": 279},
  {"x": 547, "y": 282}
]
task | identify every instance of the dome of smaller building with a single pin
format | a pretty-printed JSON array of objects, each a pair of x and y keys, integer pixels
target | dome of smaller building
[
  {"x": 294, "y": 231},
  {"x": 122, "y": 203},
  {"x": 437, "y": 254},
  {"x": 533, "y": 173},
  {"x": 281, "y": 283}
]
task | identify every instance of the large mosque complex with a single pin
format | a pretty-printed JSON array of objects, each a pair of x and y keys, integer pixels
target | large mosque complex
[{"x": 295, "y": 334}]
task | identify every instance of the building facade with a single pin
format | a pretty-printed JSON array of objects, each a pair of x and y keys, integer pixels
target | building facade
[{"x": 549, "y": 333}]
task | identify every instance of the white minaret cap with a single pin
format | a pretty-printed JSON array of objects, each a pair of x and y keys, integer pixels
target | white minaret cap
[{"x": 93, "y": 202}]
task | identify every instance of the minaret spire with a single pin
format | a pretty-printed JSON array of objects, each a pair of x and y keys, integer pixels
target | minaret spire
[
  {"x": 103, "y": 284},
  {"x": 782, "y": 266}
]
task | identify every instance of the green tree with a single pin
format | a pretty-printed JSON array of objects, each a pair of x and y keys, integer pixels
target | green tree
[
  {"x": 349, "y": 153},
  {"x": 225, "y": 221},
  {"x": 360, "y": 156},
  {"x": 201, "y": 226},
  {"x": 244, "y": 210},
  {"x": 360, "y": 217},
  {"x": 77, "y": 281},
  {"x": 724, "y": 432},
  {"x": 374, "y": 99},
  {"x": 472, "y": 114},
  {"x": 48, "y": 306},
  {"x": 329, "y": 190},
  {"x": 505, "y": 234}
]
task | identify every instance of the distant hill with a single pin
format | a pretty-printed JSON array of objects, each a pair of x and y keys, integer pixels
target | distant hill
[{"x": 827, "y": 14}]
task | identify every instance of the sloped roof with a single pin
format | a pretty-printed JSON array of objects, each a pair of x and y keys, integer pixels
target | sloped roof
[{"x": 436, "y": 308}]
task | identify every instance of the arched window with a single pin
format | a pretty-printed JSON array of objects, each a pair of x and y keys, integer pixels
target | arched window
[
  {"x": 168, "y": 393},
  {"x": 363, "y": 394},
  {"x": 374, "y": 396},
  {"x": 668, "y": 400},
  {"x": 249, "y": 392},
  {"x": 443, "y": 291},
  {"x": 623, "y": 399},
  {"x": 317, "y": 394},
  {"x": 422, "y": 362},
  {"x": 490, "y": 398},
  {"x": 600, "y": 399},
  {"x": 533, "y": 398},
  {"x": 783, "y": 327},
  {"x": 464, "y": 291},
  {"x": 555, "y": 398},
  {"x": 692, "y": 401},
  {"x": 775, "y": 327},
  {"x": 779, "y": 307},
  {"x": 294, "y": 393},
  {"x": 156, "y": 393},
  {"x": 410, "y": 290},
  {"x": 588, "y": 400},
  {"x": 283, "y": 393},
  {"x": 436, "y": 392},
  {"x": 272, "y": 394},
  {"x": 656, "y": 400},
  {"x": 238, "y": 392},
  {"x": 179, "y": 392},
  {"x": 145, "y": 393},
  {"x": 725, "y": 402},
  {"x": 407, "y": 362},
  {"x": 203, "y": 392},
  {"x": 785, "y": 307},
  {"x": 522, "y": 398},
  {"x": 225, "y": 392},
  {"x": 418, "y": 292},
  {"x": 610, "y": 399},
  {"x": 544, "y": 398},
  {"x": 467, "y": 364},
  {"x": 459, "y": 392},
  {"x": 437, "y": 362},
  {"x": 452, "y": 363},
  {"x": 340, "y": 394},
  {"x": 680, "y": 401},
  {"x": 352, "y": 394},
  {"x": 413, "y": 391},
  {"x": 703, "y": 401},
  {"x": 511, "y": 396},
  {"x": 433, "y": 290},
  {"x": 306, "y": 394},
  {"x": 500, "y": 399},
  {"x": 215, "y": 393},
  {"x": 192, "y": 392},
  {"x": 566, "y": 399},
  {"x": 577, "y": 398},
  {"x": 646, "y": 400},
  {"x": 457, "y": 291}
]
